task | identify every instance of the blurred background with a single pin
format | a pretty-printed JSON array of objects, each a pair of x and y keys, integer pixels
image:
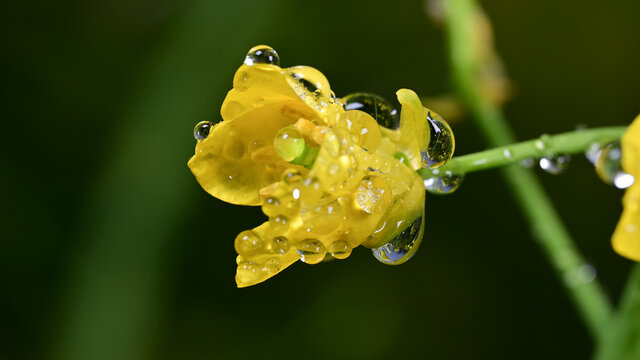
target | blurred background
[{"x": 111, "y": 250}]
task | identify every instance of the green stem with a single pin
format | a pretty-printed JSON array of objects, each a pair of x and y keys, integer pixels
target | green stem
[
  {"x": 588, "y": 296},
  {"x": 567, "y": 143}
]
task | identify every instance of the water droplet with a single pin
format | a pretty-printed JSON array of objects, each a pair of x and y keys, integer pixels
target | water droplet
[
  {"x": 585, "y": 273},
  {"x": 248, "y": 243},
  {"x": 202, "y": 129},
  {"x": 248, "y": 271},
  {"x": 372, "y": 195},
  {"x": 609, "y": 168},
  {"x": 271, "y": 206},
  {"x": 289, "y": 143},
  {"x": 340, "y": 249},
  {"x": 291, "y": 177},
  {"x": 272, "y": 265},
  {"x": 380, "y": 109},
  {"x": 443, "y": 183},
  {"x": 231, "y": 110},
  {"x": 312, "y": 251},
  {"x": 555, "y": 164},
  {"x": 529, "y": 163},
  {"x": 279, "y": 223},
  {"x": 280, "y": 245},
  {"x": 402, "y": 247},
  {"x": 441, "y": 145},
  {"x": 233, "y": 149},
  {"x": 507, "y": 154},
  {"x": 262, "y": 54}
]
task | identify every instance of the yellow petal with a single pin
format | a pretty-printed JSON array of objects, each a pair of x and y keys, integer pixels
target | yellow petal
[
  {"x": 414, "y": 131},
  {"x": 626, "y": 238}
]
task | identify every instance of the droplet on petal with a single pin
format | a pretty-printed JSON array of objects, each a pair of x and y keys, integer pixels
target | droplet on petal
[
  {"x": 262, "y": 54},
  {"x": 248, "y": 243},
  {"x": 402, "y": 247},
  {"x": 380, "y": 109},
  {"x": 340, "y": 249},
  {"x": 441, "y": 145},
  {"x": 289, "y": 143},
  {"x": 202, "y": 129},
  {"x": 312, "y": 251}
]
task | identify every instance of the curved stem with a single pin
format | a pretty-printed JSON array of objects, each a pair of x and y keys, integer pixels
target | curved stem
[
  {"x": 547, "y": 227},
  {"x": 568, "y": 143}
]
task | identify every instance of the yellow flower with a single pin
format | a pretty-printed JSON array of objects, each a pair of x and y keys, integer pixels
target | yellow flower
[
  {"x": 354, "y": 192},
  {"x": 626, "y": 238}
]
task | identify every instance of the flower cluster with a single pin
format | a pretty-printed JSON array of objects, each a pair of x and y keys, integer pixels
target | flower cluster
[
  {"x": 626, "y": 238},
  {"x": 329, "y": 178}
]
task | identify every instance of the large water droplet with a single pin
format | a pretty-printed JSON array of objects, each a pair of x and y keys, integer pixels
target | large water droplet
[
  {"x": 441, "y": 145},
  {"x": 340, "y": 249},
  {"x": 248, "y": 243},
  {"x": 609, "y": 168},
  {"x": 201, "y": 130},
  {"x": 443, "y": 183},
  {"x": 289, "y": 143},
  {"x": 372, "y": 196},
  {"x": 380, "y": 109},
  {"x": 262, "y": 54},
  {"x": 555, "y": 164},
  {"x": 312, "y": 251},
  {"x": 280, "y": 245},
  {"x": 271, "y": 206},
  {"x": 402, "y": 247}
]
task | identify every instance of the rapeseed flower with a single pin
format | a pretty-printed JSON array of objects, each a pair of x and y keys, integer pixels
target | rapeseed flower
[{"x": 329, "y": 179}]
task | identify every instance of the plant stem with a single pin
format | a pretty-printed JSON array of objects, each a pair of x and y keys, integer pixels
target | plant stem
[
  {"x": 588, "y": 296},
  {"x": 567, "y": 143}
]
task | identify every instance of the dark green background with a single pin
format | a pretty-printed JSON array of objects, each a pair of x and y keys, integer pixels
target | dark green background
[{"x": 111, "y": 250}]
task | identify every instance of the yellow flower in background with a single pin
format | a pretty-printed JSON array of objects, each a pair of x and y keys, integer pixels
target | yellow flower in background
[
  {"x": 329, "y": 178},
  {"x": 626, "y": 238}
]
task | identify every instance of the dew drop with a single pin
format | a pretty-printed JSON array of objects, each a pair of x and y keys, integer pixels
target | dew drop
[
  {"x": 271, "y": 206},
  {"x": 233, "y": 149},
  {"x": 312, "y": 251},
  {"x": 402, "y": 247},
  {"x": 609, "y": 168},
  {"x": 340, "y": 249},
  {"x": 310, "y": 85},
  {"x": 292, "y": 177},
  {"x": 289, "y": 143},
  {"x": 441, "y": 144},
  {"x": 555, "y": 164},
  {"x": 279, "y": 223},
  {"x": 371, "y": 195},
  {"x": 262, "y": 54},
  {"x": 528, "y": 163},
  {"x": 443, "y": 183},
  {"x": 248, "y": 243},
  {"x": 272, "y": 266},
  {"x": 280, "y": 245},
  {"x": 201, "y": 130},
  {"x": 380, "y": 109}
]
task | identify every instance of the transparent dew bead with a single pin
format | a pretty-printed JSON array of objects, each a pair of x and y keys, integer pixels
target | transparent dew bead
[
  {"x": 271, "y": 206},
  {"x": 443, "y": 183},
  {"x": 609, "y": 168},
  {"x": 289, "y": 143},
  {"x": 248, "y": 271},
  {"x": 248, "y": 243},
  {"x": 555, "y": 164},
  {"x": 312, "y": 251},
  {"x": 441, "y": 144},
  {"x": 279, "y": 223},
  {"x": 202, "y": 129},
  {"x": 280, "y": 245},
  {"x": 528, "y": 163},
  {"x": 292, "y": 177},
  {"x": 307, "y": 81},
  {"x": 272, "y": 266},
  {"x": 372, "y": 195},
  {"x": 380, "y": 109},
  {"x": 340, "y": 249},
  {"x": 262, "y": 54},
  {"x": 402, "y": 247}
]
